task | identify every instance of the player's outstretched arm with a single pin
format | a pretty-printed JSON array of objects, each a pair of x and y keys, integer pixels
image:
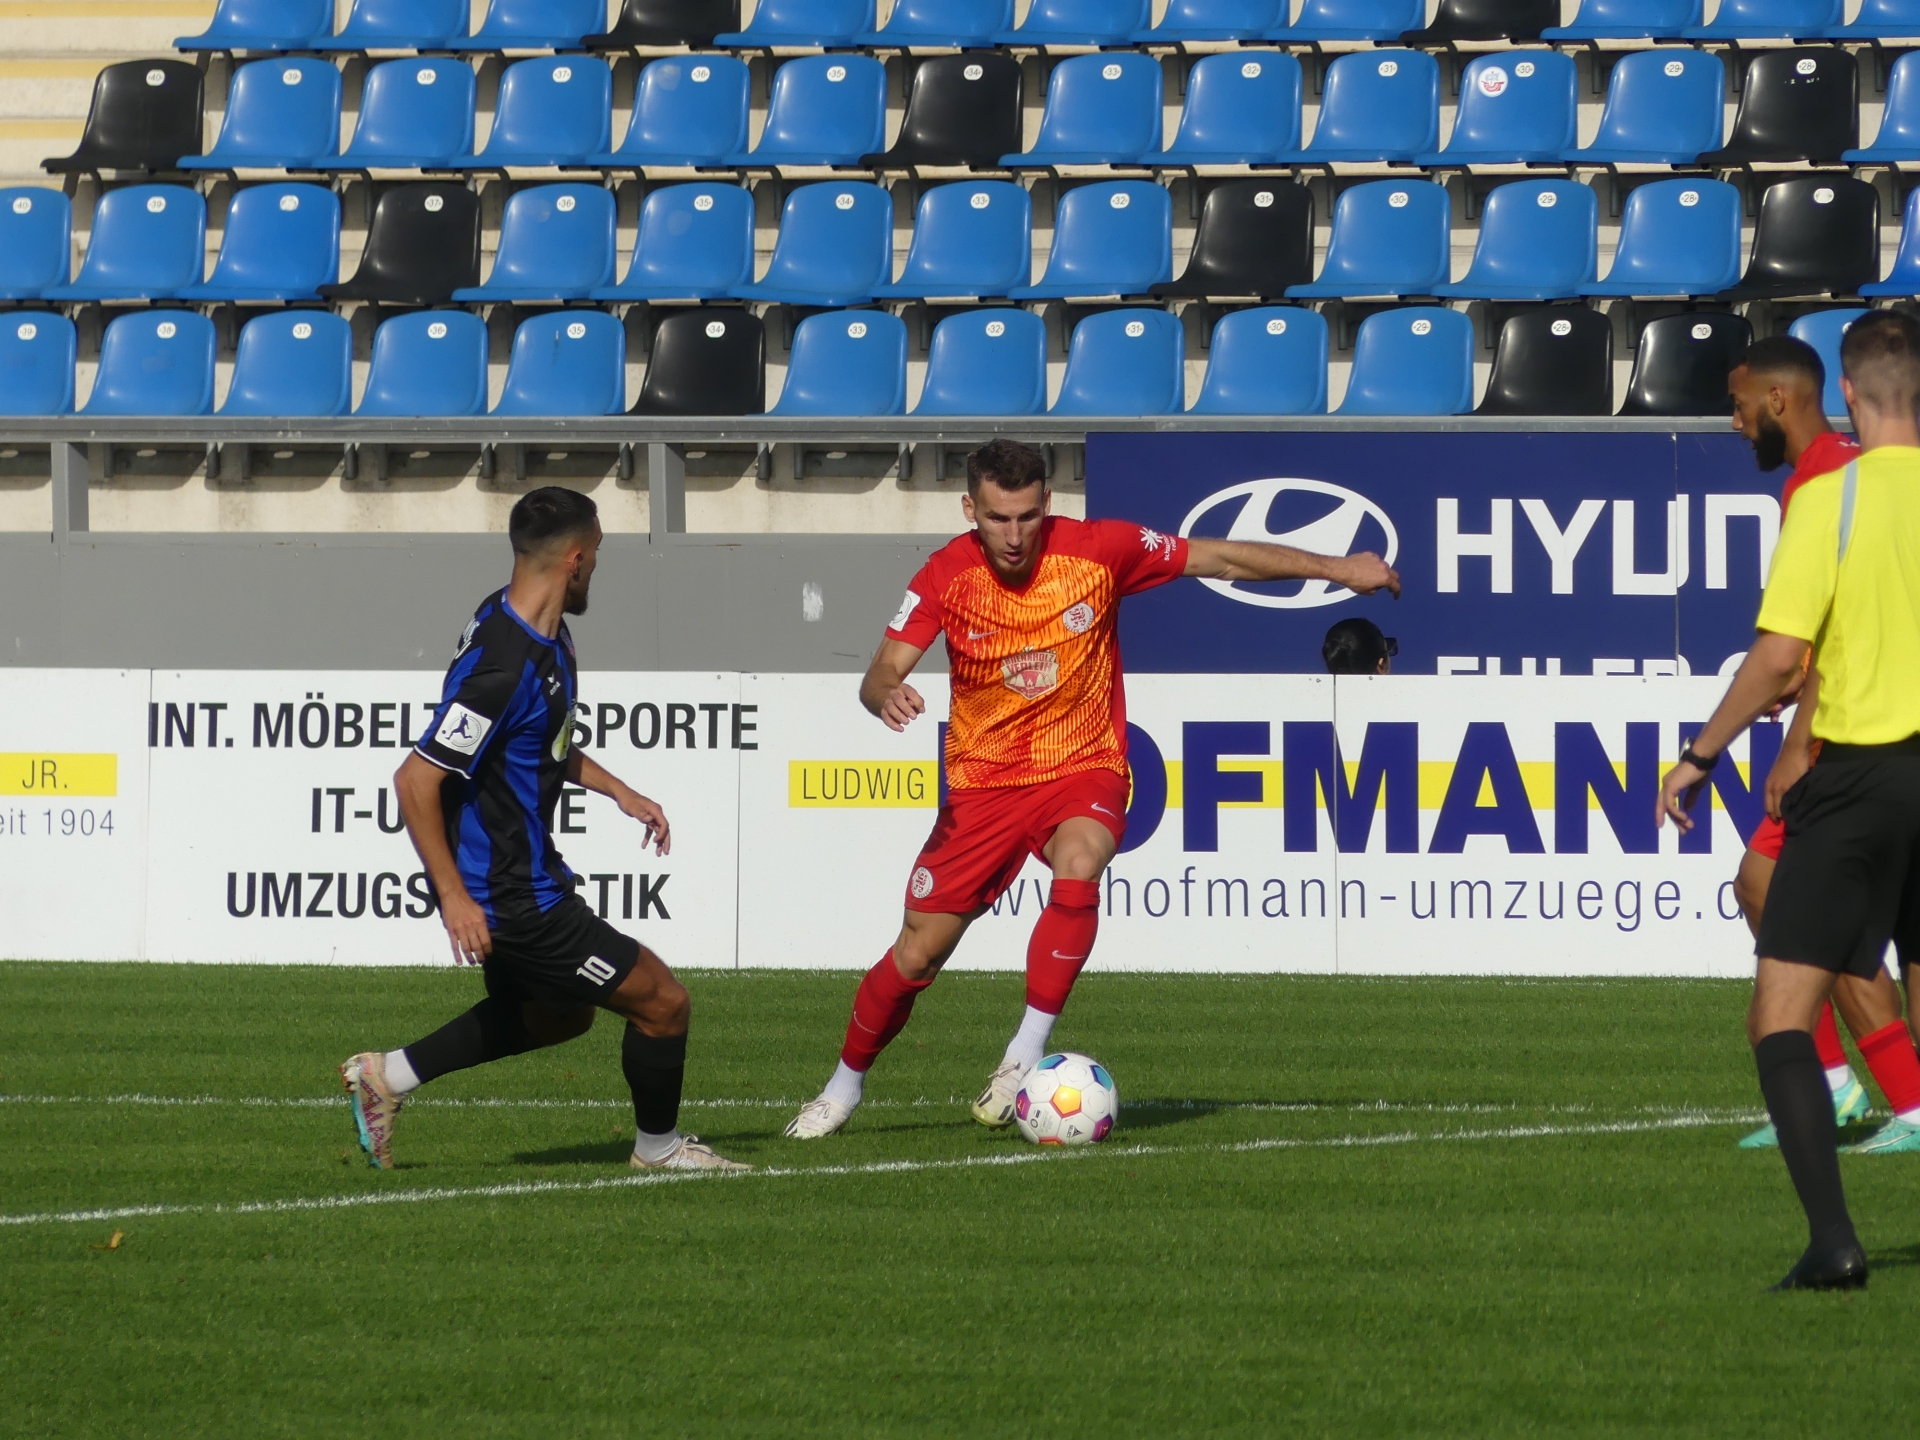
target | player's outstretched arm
[
  {"x": 885, "y": 691},
  {"x": 584, "y": 770},
  {"x": 1772, "y": 666},
  {"x": 1259, "y": 560},
  {"x": 418, "y": 782}
]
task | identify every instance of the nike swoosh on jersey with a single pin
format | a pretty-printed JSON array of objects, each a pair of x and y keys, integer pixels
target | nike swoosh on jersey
[
  {"x": 980, "y": 634},
  {"x": 1103, "y": 810}
]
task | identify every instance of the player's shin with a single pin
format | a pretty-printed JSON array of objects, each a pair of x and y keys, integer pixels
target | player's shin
[
  {"x": 1801, "y": 1107},
  {"x": 655, "y": 1067},
  {"x": 1062, "y": 940},
  {"x": 491, "y": 1030},
  {"x": 881, "y": 1008}
]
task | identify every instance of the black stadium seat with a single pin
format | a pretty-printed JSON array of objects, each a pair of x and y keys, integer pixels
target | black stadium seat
[
  {"x": 1795, "y": 105},
  {"x": 423, "y": 244},
  {"x": 706, "y": 362},
  {"x": 145, "y": 115},
  {"x": 1682, "y": 364},
  {"x": 668, "y": 22},
  {"x": 1486, "y": 20},
  {"x": 1255, "y": 238},
  {"x": 1816, "y": 235},
  {"x": 961, "y": 110},
  {"x": 1556, "y": 360}
]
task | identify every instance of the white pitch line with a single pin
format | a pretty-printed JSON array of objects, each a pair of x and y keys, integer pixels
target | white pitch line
[{"x": 1687, "y": 1121}]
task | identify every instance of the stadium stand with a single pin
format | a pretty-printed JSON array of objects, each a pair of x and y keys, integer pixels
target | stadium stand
[
  {"x": 423, "y": 244},
  {"x": 1554, "y": 360},
  {"x": 835, "y": 247},
  {"x": 687, "y": 110},
  {"x": 154, "y": 362},
  {"x": 1271, "y": 360},
  {"x": 1681, "y": 362},
  {"x": 148, "y": 242},
  {"x": 570, "y": 362},
  {"x": 295, "y": 363},
  {"x": 36, "y": 239},
  {"x": 1627, "y": 20},
  {"x": 432, "y": 362},
  {"x": 825, "y": 110},
  {"x": 1242, "y": 109},
  {"x": 281, "y": 244},
  {"x": 1389, "y": 237},
  {"x": 1412, "y": 361},
  {"x": 1537, "y": 242},
  {"x": 1472, "y": 20},
  {"x": 706, "y": 362},
  {"x": 971, "y": 239},
  {"x": 414, "y": 115},
  {"x": 959, "y": 24},
  {"x": 1822, "y": 330},
  {"x": 1878, "y": 20},
  {"x": 1663, "y": 108},
  {"x": 848, "y": 362},
  {"x": 399, "y": 25},
  {"x": 1255, "y": 238},
  {"x": 1124, "y": 362},
  {"x": 695, "y": 243},
  {"x": 263, "y": 25},
  {"x": 281, "y": 114},
  {"x": 1767, "y": 20},
  {"x": 693, "y": 23},
  {"x": 1796, "y": 106},
  {"x": 961, "y": 110},
  {"x": 145, "y": 115},
  {"x": 1186, "y": 21},
  {"x": 1898, "y": 138},
  {"x": 1324, "y": 22},
  {"x": 1904, "y": 277},
  {"x": 812, "y": 24},
  {"x": 554, "y": 110},
  {"x": 986, "y": 362},
  {"x": 535, "y": 25},
  {"x": 1516, "y": 108},
  {"x": 556, "y": 244},
  {"x": 1677, "y": 237},
  {"x": 1056, "y": 23},
  {"x": 1378, "y": 106},
  {"x": 1112, "y": 238},
  {"x": 1816, "y": 235},
  {"x": 37, "y": 355},
  {"x": 1101, "y": 110}
]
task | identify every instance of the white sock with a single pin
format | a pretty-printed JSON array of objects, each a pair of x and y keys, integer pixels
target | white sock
[
  {"x": 400, "y": 1077},
  {"x": 846, "y": 1086},
  {"x": 655, "y": 1148},
  {"x": 1839, "y": 1078},
  {"x": 1029, "y": 1042}
]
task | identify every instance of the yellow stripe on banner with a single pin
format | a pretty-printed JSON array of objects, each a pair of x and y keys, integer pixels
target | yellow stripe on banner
[
  {"x": 1435, "y": 776},
  {"x": 40, "y": 773},
  {"x": 862, "y": 784}
]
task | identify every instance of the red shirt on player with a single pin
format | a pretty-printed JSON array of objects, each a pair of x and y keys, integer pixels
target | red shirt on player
[
  {"x": 1825, "y": 453},
  {"x": 1037, "y": 691}
]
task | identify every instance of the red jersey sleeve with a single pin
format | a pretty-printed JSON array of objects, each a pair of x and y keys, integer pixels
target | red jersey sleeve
[
  {"x": 1141, "y": 558},
  {"x": 920, "y": 618}
]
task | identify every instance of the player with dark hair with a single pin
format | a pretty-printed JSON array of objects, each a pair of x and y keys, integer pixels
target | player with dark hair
[
  {"x": 1845, "y": 580},
  {"x": 1777, "y": 387},
  {"x": 1355, "y": 646},
  {"x": 478, "y": 794},
  {"x": 1037, "y": 745}
]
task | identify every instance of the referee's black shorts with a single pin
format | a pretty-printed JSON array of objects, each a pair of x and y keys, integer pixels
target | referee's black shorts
[
  {"x": 1848, "y": 880},
  {"x": 565, "y": 957}
]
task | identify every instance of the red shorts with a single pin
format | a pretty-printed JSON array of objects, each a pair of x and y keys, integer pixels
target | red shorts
[
  {"x": 1768, "y": 836},
  {"x": 982, "y": 837}
]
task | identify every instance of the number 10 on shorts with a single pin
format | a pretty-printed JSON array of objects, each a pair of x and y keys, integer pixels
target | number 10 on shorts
[{"x": 596, "y": 970}]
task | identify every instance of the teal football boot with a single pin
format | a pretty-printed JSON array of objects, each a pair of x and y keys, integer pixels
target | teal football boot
[{"x": 1849, "y": 1105}]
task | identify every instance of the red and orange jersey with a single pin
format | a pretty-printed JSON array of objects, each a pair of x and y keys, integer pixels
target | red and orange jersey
[
  {"x": 1828, "y": 451},
  {"x": 1037, "y": 693}
]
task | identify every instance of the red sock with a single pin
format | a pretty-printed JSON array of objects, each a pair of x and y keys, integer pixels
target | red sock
[
  {"x": 881, "y": 1008},
  {"x": 1889, "y": 1054},
  {"x": 1826, "y": 1039},
  {"x": 1062, "y": 940}
]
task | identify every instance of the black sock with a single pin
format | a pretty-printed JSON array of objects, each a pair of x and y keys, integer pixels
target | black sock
[
  {"x": 491, "y": 1030},
  {"x": 654, "y": 1066},
  {"x": 1801, "y": 1106}
]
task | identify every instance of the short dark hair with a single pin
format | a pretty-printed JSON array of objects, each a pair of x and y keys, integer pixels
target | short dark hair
[
  {"x": 1784, "y": 355},
  {"x": 1354, "y": 647},
  {"x": 1880, "y": 354},
  {"x": 544, "y": 517},
  {"x": 1008, "y": 463}
]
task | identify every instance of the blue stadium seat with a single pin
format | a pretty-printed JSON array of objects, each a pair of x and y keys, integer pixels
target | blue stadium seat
[
  {"x": 1376, "y": 20},
  {"x": 536, "y": 25},
  {"x": 965, "y": 24},
  {"x": 399, "y": 25},
  {"x": 432, "y": 362},
  {"x": 1768, "y": 20},
  {"x": 1101, "y": 110},
  {"x": 556, "y": 243},
  {"x": 570, "y": 363},
  {"x": 36, "y": 241},
  {"x": 1125, "y": 362},
  {"x": 292, "y": 363},
  {"x": 154, "y": 362},
  {"x": 1114, "y": 238},
  {"x": 37, "y": 353},
  {"x": 1376, "y": 105},
  {"x": 414, "y": 115},
  {"x": 148, "y": 242},
  {"x": 1538, "y": 241},
  {"x": 1415, "y": 361},
  {"x": 824, "y": 110},
  {"x": 1389, "y": 237},
  {"x": 986, "y": 362},
  {"x": 1904, "y": 277},
  {"x": 552, "y": 110},
  {"x": 1879, "y": 20},
  {"x": 1663, "y": 108},
  {"x": 1899, "y": 137},
  {"x": 1627, "y": 20},
  {"x": 1241, "y": 109},
  {"x": 849, "y": 362},
  {"x": 815, "y": 24},
  {"x": 1078, "y": 22},
  {"x": 1271, "y": 360},
  {"x": 695, "y": 243},
  {"x": 1516, "y": 108},
  {"x": 1187, "y": 20},
  {"x": 281, "y": 115},
  {"x": 264, "y": 25},
  {"x": 970, "y": 238},
  {"x": 280, "y": 242},
  {"x": 835, "y": 247},
  {"x": 1677, "y": 237},
  {"x": 687, "y": 110},
  {"x": 1822, "y": 330}
]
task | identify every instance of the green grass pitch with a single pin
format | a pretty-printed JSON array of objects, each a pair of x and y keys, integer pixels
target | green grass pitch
[{"x": 1333, "y": 1207}]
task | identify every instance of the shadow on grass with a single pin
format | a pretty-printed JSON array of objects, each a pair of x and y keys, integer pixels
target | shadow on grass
[{"x": 1895, "y": 1257}]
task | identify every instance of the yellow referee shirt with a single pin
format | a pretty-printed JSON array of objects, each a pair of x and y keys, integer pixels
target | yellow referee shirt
[{"x": 1862, "y": 613}]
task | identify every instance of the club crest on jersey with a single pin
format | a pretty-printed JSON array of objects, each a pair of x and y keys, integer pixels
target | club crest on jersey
[
  {"x": 1078, "y": 618},
  {"x": 562, "y": 743},
  {"x": 1031, "y": 673},
  {"x": 922, "y": 885},
  {"x": 466, "y": 636},
  {"x": 462, "y": 730}
]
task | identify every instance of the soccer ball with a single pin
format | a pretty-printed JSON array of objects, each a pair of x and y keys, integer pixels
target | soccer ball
[{"x": 1067, "y": 1099}]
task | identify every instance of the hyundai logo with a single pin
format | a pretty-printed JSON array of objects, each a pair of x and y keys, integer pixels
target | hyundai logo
[{"x": 1334, "y": 531}]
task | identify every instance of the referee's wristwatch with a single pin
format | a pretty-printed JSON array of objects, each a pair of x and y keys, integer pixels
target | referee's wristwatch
[{"x": 1703, "y": 763}]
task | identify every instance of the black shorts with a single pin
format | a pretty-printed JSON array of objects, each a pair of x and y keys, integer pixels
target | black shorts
[
  {"x": 1848, "y": 880},
  {"x": 565, "y": 957}
]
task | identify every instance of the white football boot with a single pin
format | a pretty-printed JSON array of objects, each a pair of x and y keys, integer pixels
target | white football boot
[
  {"x": 692, "y": 1153},
  {"x": 818, "y": 1118},
  {"x": 994, "y": 1108}
]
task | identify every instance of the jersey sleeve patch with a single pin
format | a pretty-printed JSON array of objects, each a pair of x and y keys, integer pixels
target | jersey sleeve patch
[
  {"x": 907, "y": 606},
  {"x": 462, "y": 730}
]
